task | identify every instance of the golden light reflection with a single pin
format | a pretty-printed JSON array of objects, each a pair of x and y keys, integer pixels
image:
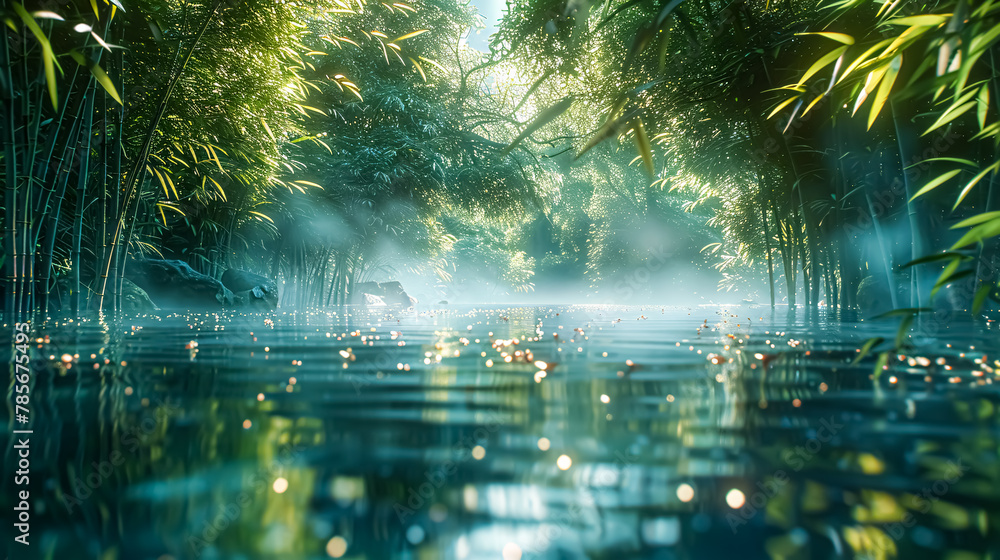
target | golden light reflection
[
  {"x": 336, "y": 547},
  {"x": 280, "y": 485},
  {"x": 735, "y": 498},
  {"x": 511, "y": 552},
  {"x": 685, "y": 492}
]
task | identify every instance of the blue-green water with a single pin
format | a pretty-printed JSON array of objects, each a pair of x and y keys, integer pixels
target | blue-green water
[{"x": 654, "y": 433}]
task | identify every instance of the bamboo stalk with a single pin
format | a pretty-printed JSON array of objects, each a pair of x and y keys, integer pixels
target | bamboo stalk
[
  {"x": 767, "y": 244},
  {"x": 84, "y": 177},
  {"x": 917, "y": 245},
  {"x": 139, "y": 164},
  {"x": 10, "y": 186}
]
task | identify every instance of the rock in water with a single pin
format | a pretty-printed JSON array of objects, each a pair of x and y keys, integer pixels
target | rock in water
[
  {"x": 360, "y": 290},
  {"x": 394, "y": 294},
  {"x": 135, "y": 299},
  {"x": 387, "y": 293},
  {"x": 251, "y": 289},
  {"x": 175, "y": 285}
]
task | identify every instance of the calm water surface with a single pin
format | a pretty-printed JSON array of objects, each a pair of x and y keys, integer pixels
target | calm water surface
[{"x": 506, "y": 433}]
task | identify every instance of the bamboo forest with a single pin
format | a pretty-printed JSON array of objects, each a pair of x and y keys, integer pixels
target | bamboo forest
[{"x": 500, "y": 279}]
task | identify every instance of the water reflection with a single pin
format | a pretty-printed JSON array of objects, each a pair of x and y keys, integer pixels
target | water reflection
[{"x": 566, "y": 433}]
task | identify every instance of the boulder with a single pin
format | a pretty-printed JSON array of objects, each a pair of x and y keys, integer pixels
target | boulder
[
  {"x": 135, "y": 299},
  {"x": 394, "y": 294},
  {"x": 251, "y": 290},
  {"x": 387, "y": 293},
  {"x": 359, "y": 289},
  {"x": 175, "y": 285},
  {"x": 873, "y": 299}
]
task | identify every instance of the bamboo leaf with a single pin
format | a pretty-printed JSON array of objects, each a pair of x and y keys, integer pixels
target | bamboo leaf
[
  {"x": 887, "y": 7},
  {"x": 166, "y": 192},
  {"x": 926, "y": 20},
  {"x": 77, "y": 57},
  {"x": 933, "y": 258},
  {"x": 880, "y": 364},
  {"x": 871, "y": 82},
  {"x": 975, "y": 235},
  {"x": 822, "y": 63},
  {"x": 867, "y": 348},
  {"x": 661, "y": 17},
  {"x": 910, "y": 34},
  {"x": 839, "y": 37},
  {"x": 951, "y": 114},
  {"x": 419, "y": 69},
  {"x": 946, "y": 53},
  {"x": 782, "y": 105},
  {"x": 432, "y": 63},
  {"x": 642, "y": 144},
  {"x": 100, "y": 41},
  {"x": 813, "y": 103},
  {"x": 984, "y": 104},
  {"x": 48, "y": 57},
  {"x": 611, "y": 128},
  {"x": 980, "y": 298},
  {"x": 170, "y": 206},
  {"x": 106, "y": 83},
  {"x": 980, "y": 43},
  {"x": 307, "y": 183},
  {"x": 45, "y": 14},
  {"x": 992, "y": 129},
  {"x": 904, "y": 312},
  {"x": 904, "y": 329},
  {"x": 884, "y": 88},
  {"x": 993, "y": 168},
  {"x": 260, "y": 215},
  {"x": 219, "y": 189},
  {"x": 409, "y": 35},
  {"x": 970, "y": 163},
  {"x": 268, "y": 130},
  {"x": 863, "y": 60},
  {"x": 539, "y": 121},
  {"x": 976, "y": 220},
  {"x": 936, "y": 182},
  {"x": 945, "y": 276}
]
